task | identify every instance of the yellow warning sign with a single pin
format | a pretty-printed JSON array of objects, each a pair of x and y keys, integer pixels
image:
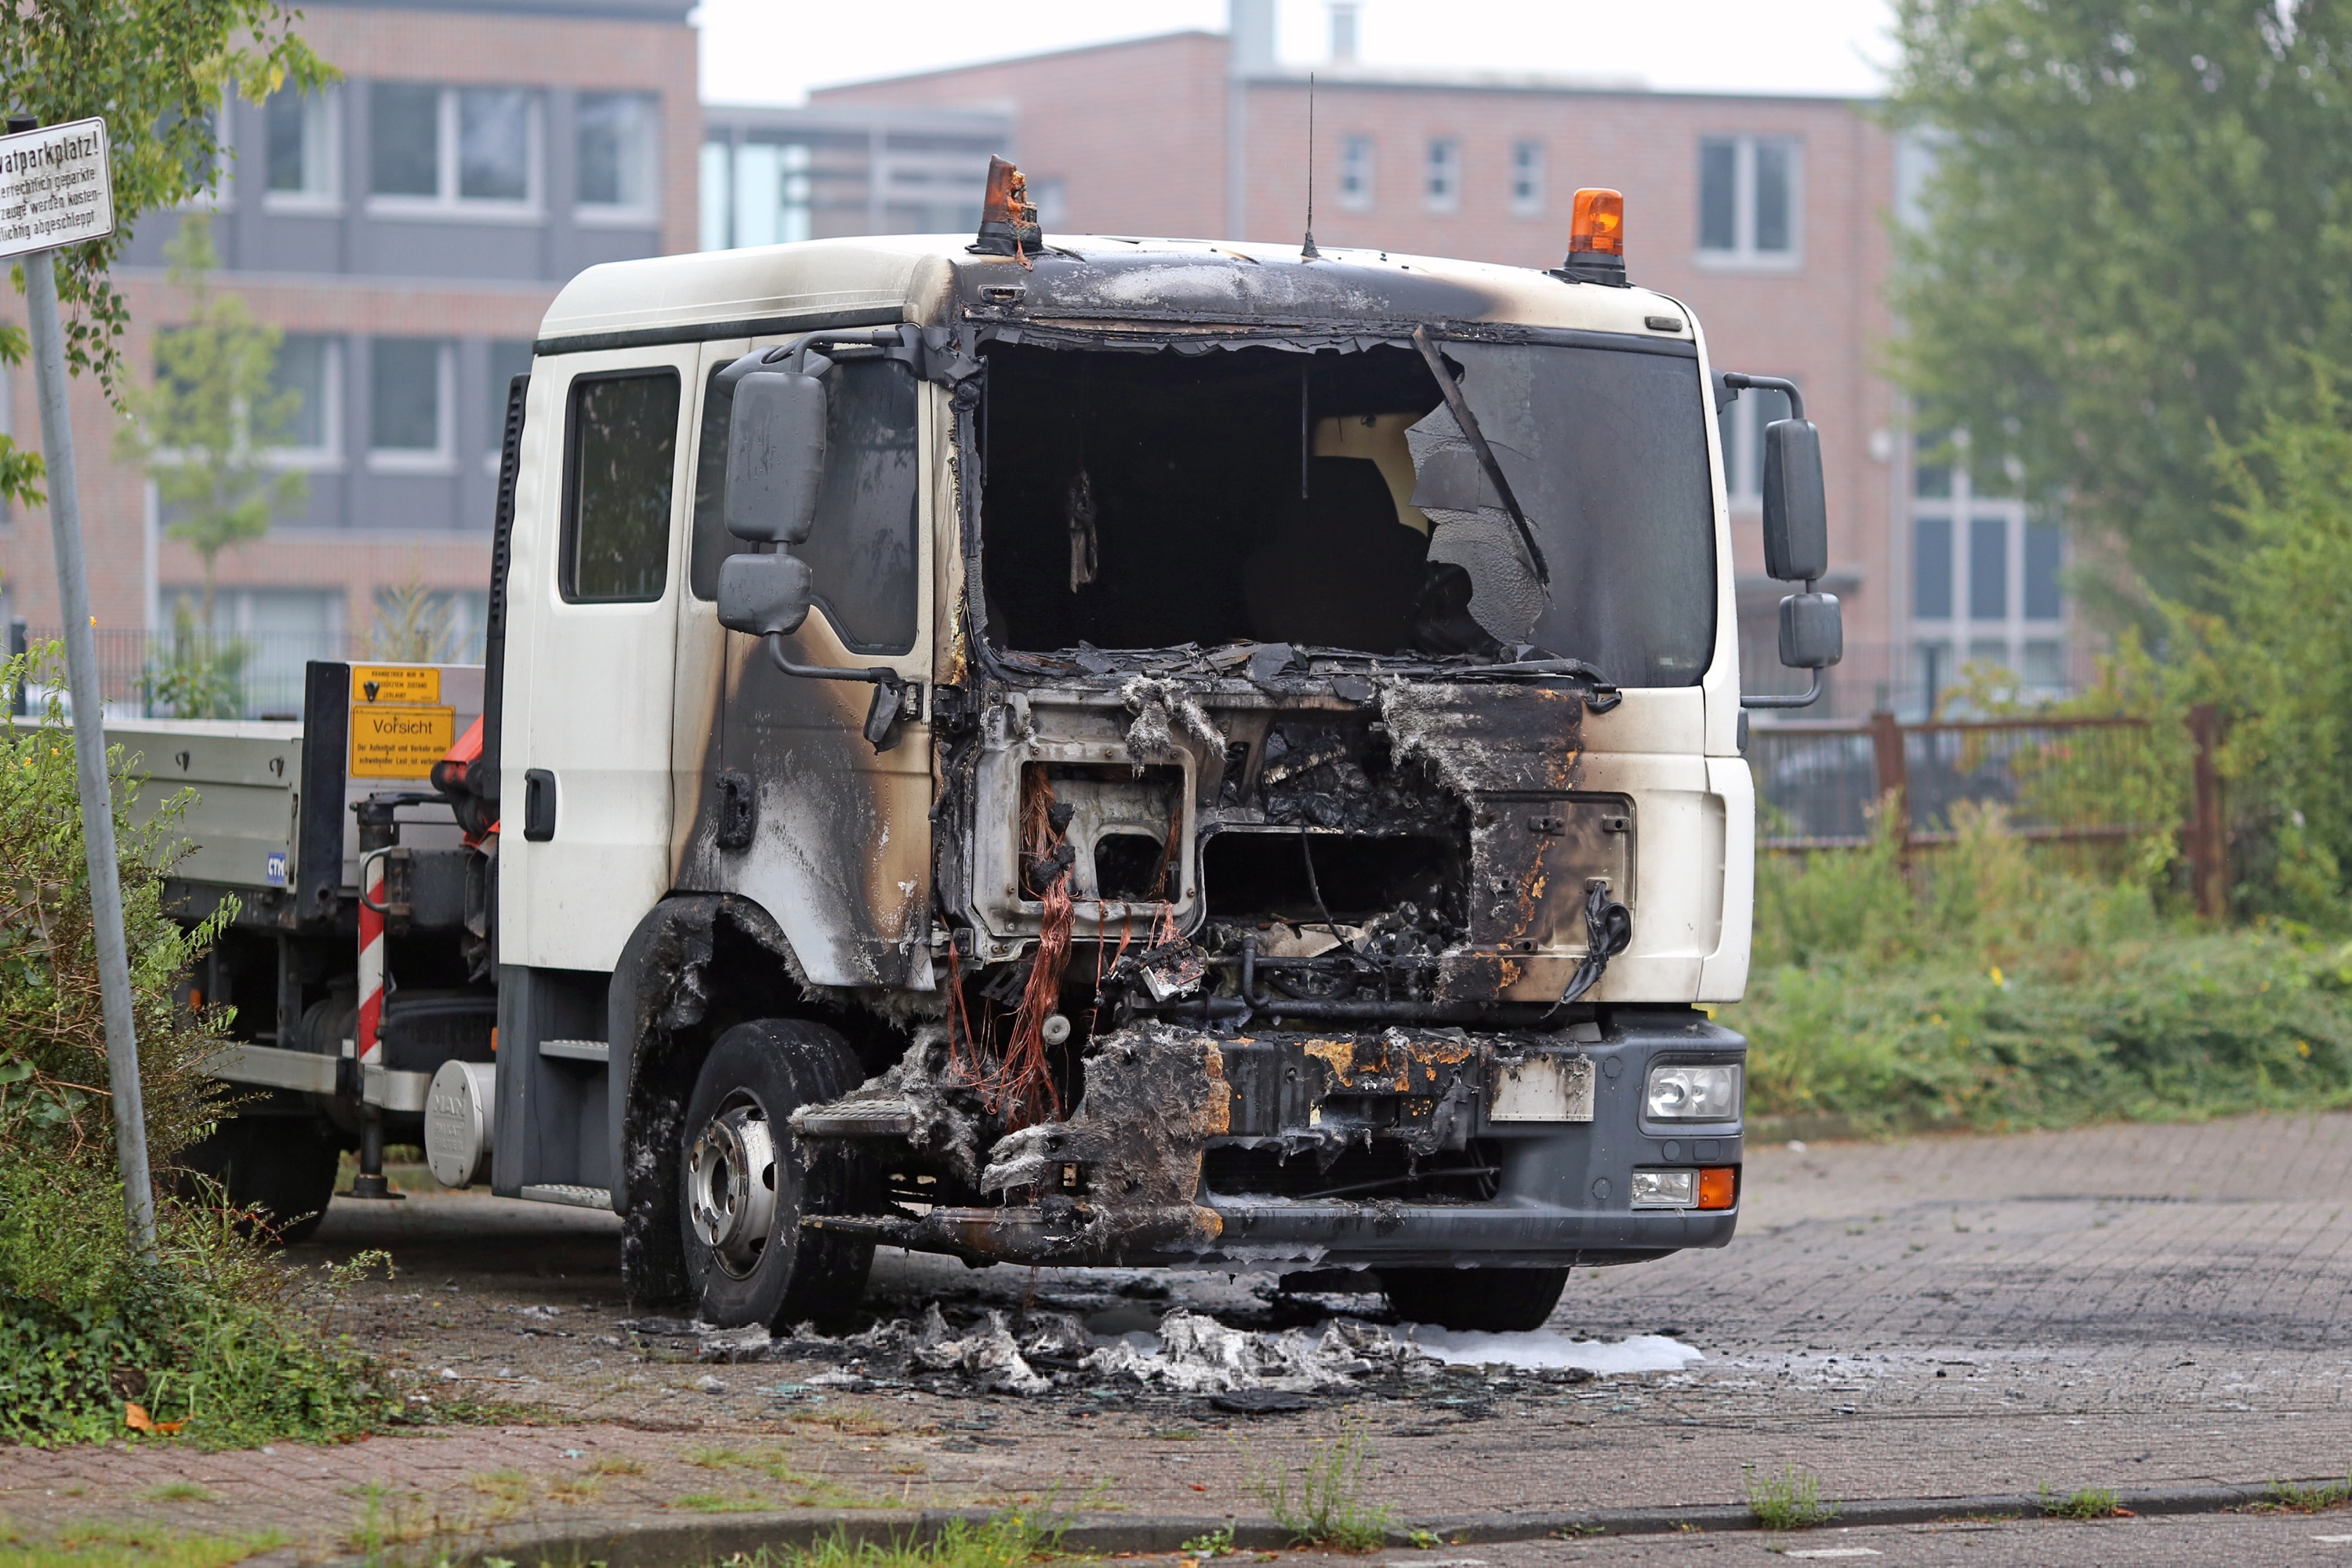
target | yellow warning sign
[
  {"x": 399, "y": 743},
  {"x": 395, "y": 683}
]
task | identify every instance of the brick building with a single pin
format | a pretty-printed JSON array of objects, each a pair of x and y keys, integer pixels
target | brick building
[
  {"x": 406, "y": 229},
  {"x": 1769, "y": 214}
]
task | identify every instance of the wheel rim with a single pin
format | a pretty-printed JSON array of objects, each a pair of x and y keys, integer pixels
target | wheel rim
[{"x": 731, "y": 1179}]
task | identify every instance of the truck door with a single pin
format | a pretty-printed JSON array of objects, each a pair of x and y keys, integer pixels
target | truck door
[
  {"x": 781, "y": 798},
  {"x": 594, "y": 590}
]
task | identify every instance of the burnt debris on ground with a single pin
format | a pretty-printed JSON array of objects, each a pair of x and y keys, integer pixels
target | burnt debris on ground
[{"x": 1127, "y": 1342}]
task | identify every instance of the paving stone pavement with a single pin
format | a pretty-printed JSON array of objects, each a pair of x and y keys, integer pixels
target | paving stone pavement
[{"x": 2130, "y": 1306}]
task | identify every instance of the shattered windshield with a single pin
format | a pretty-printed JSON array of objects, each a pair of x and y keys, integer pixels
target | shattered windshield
[{"x": 1136, "y": 501}]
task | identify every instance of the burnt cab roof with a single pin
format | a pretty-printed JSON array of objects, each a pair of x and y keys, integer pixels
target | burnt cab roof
[{"x": 934, "y": 279}]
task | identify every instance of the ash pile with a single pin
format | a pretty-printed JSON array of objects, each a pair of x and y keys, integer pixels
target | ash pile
[{"x": 1002, "y": 1351}]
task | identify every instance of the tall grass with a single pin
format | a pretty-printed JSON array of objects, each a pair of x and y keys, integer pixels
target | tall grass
[{"x": 1987, "y": 988}]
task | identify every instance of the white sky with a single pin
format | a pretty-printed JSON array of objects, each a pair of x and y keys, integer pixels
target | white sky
[{"x": 773, "y": 51}]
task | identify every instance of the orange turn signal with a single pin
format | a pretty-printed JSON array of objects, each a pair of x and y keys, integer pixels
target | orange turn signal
[
  {"x": 1598, "y": 226},
  {"x": 1718, "y": 1186}
]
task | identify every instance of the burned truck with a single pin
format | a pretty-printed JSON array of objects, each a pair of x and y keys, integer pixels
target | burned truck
[{"x": 1076, "y": 750}]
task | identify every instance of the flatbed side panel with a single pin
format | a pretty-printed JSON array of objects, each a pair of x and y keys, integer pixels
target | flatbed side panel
[{"x": 241, "y": 826}]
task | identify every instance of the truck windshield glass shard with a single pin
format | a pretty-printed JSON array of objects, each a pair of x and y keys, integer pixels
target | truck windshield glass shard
[
  {"x": 621, "y": 446},
  {"x": 862, "y": 547},
  {"x": 1682, "y": 1092}
]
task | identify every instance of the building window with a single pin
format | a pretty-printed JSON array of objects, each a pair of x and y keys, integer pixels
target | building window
[
  {"x": 456, "y": 149},
  {"x": 309, "y": 367},
  {"x": 1931, "y": 568},
  {"x": 433, "y": 626},
  {"x": 1527, "y": 178},
  {"x": 2043, "y": 546},
  {"x": 301, "y": 133},
  {"x": 1356, "y": 172},
  {"x": 1749, "y": 191},
  {"x": 621, "y": 463},
  {"x": 756, "y": 193},
  {"x": 408, "y": 398},
  {"x": 1741, "y": 427},
  {"x": 1985, "y": 575},
  {"x": 1443, "y": 183},
  {"x": 616, "y": 157},
  {"x": 1989, "y": 569}
]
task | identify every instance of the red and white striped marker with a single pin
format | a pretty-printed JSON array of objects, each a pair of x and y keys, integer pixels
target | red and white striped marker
[{"x": 371, "y": 957}]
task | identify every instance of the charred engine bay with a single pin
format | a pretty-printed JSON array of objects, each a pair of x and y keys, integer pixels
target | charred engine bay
[{"x": 1287, "y": 941}]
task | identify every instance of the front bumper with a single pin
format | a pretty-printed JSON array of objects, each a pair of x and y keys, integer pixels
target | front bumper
[{"x": 1321, "y": 1150}]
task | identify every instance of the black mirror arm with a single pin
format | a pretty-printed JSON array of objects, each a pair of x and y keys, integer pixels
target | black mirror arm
[
  {"x": 890, "y": 690},
  {"x": 1739, "y": 383},
  {"x": 1459, "y": 406},
  {"x": 1804, "y": 698}
]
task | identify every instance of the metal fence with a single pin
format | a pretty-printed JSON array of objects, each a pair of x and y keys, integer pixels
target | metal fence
[
  {"x": 166, "y": 675},
  {"x": 2094, "y": 785}
]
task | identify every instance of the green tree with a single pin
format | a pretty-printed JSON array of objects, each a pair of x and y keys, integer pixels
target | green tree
[
  {"x": 205, "y": 428},
  {"x": 158, "y": 70},
  {"x": 2137, "y": 220}
]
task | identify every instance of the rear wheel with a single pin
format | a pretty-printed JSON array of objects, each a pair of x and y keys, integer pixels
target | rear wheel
[
  {"x": 1489, "y": 1300},
  {"x": 281, "y": 1167},
  {"x": 743, "y": 1188}
]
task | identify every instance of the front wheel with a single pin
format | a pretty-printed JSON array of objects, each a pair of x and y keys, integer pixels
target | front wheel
[
  {"x": 744, "y": 1187},
  {"x": 1486, "y": 1301}
]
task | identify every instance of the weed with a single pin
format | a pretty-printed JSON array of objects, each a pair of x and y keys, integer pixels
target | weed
[
  {"x": 128, "y": 1545},
  {"x": 717, "y": 1502},
  {"x": 801, "y": 1489},
  {"x": 1791, "y": 1500},
  {"x": 1424, "y": 1540},
  {"x": 505, "y": 1486},
  {"x": 910, "y": 1468},
  {"x": 1011, "y": 1539},
  {"x": 2089, "y": 1502},
  {"x": 1216, "y": 1543},
  {"x": 1321, "y": 1503},
  {"x": 615, "y": 1465},
  {"x": 178, "y": 1492},
  {"x": 1175, "y": 1434},
  {"x": 855, "y": 1420},
  {"x": 2293, "y": 1496}
]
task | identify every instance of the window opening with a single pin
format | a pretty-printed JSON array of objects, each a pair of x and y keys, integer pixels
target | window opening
[
  {"x": 622, "y": 451},
  {"x": 1189, "y": 469}
]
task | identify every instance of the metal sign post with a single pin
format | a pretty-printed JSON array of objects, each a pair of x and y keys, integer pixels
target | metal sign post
[{"x": 55, "y": 191}]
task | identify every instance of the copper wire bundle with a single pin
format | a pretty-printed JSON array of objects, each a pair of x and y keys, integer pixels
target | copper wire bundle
[{"x": 1020, "y": 1082}]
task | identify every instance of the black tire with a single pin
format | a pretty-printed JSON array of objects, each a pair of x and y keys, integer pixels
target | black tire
[
  {"x": 1487, "y": 1300},
  {"x": 282, "y": 1167},
  {"x": 740, "y": 1272}
]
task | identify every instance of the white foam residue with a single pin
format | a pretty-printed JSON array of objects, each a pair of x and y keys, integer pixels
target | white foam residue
[{"x": 1543, "y": 1349}]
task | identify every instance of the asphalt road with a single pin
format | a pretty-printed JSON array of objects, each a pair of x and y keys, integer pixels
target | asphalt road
[{"x": 2121, "y": 1307}]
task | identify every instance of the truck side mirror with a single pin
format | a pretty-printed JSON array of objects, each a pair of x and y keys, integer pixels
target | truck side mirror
[
  {"x": 1812, "y": 631},
  {"x": 764, "y": 594},
  {"x": 1796, "y": 507},
  {"x": 776, "y": 457}
]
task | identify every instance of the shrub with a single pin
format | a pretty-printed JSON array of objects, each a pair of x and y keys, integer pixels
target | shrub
[
  {"x": 208, "y": 1336},
  {"x": 1990, "y": 990}
]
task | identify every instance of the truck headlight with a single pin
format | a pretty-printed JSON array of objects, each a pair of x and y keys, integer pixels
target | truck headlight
[
  {"x": 1664, "y": 1190},
  {"x": 1686, "y": 1093}
]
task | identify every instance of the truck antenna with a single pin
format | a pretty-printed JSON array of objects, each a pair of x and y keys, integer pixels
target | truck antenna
[{"x": 1308, "y": 252}]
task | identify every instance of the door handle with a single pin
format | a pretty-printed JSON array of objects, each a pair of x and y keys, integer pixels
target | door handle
[{"x": 538, "y": 805}]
